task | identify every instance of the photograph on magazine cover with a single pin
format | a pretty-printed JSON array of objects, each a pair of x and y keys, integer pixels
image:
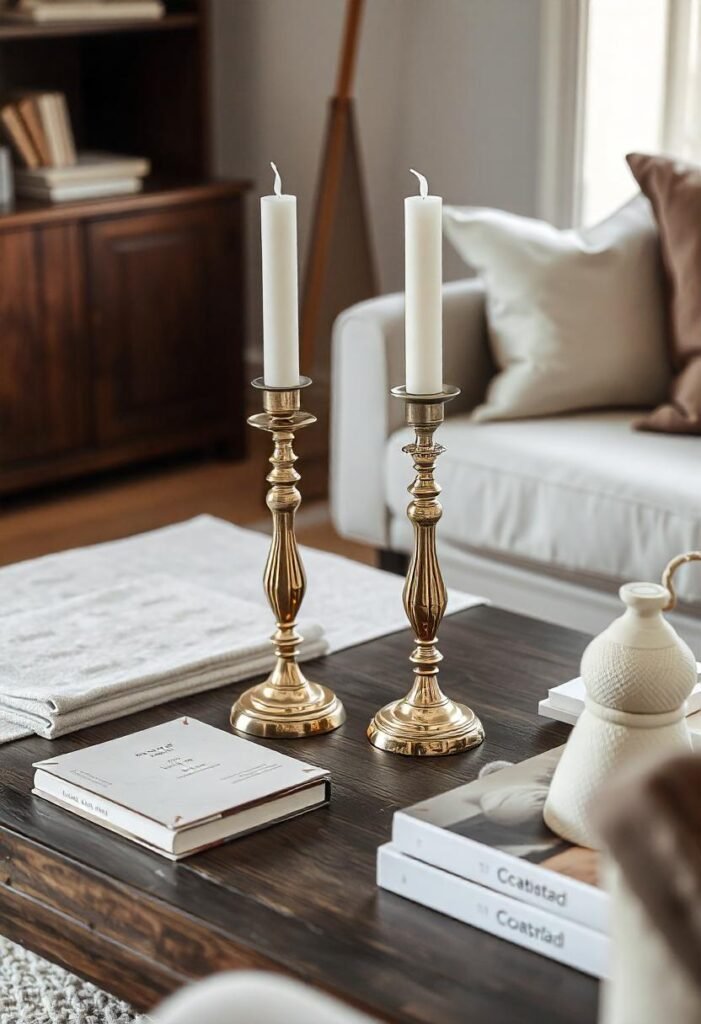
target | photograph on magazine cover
[{"x": 504, "y": 811}]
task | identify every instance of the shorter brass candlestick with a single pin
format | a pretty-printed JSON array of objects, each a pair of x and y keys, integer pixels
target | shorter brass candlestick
[
  {"x": 425, "y": 723},
  {"x": 286, "y": 705}
]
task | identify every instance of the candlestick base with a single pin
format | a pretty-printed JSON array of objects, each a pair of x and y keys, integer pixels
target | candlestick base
[
  {"x": 400, "y": 728},
  {"x": 287, "y": 706}
]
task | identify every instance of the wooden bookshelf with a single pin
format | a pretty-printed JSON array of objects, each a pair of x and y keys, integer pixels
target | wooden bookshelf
[
  {"x": 155, "y": 194},
  {"x": 122, "y": 317}
]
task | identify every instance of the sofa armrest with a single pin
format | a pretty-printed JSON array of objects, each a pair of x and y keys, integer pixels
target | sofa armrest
[{"x": 367, "y": 360}]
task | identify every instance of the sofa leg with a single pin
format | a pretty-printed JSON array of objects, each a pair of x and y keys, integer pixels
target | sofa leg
[{"x": 393, "y": 561}]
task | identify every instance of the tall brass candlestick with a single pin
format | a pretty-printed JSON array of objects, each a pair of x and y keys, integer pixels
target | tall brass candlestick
[
  {"x": 425, "y": 723},
  {"x": 286, "y": 705}
]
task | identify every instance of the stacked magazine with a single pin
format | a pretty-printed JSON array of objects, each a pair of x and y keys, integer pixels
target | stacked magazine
[{"x": 482, "y": 854}]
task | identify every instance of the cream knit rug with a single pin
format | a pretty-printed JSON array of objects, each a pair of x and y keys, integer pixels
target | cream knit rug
[{"x": 33, "y": 991}]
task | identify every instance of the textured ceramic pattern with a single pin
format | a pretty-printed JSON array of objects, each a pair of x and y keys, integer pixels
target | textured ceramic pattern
[
  {"x": 637, "y": 669},
  {"x": 594, "y": 753},
  {"x": 639, "y": 680}
]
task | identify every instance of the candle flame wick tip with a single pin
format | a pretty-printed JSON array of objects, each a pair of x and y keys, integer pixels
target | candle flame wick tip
[
  {"x": 423, "y": 183},
  {"x": 278, "y": 183}
]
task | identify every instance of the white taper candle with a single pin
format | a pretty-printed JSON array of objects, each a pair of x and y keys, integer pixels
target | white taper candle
[
  {"x": 278, "y": 230},
  {"x": 423, "y": 253}
]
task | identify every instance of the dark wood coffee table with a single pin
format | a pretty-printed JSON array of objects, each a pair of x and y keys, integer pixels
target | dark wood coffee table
[{"x": 301, "y": 897}]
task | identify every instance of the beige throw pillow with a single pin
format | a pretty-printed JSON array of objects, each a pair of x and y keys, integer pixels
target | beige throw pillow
[{"x": 576, "y": 318}]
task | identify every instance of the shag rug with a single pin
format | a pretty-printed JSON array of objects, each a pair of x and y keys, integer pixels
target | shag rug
[{"x": 33, "y": 991}]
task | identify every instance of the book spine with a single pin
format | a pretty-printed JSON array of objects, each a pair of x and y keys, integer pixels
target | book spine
[
  {"x": 102, "y": 810},
  {"x": 19, "y": 137},
  {"x": 513, "y": 876},
  {"x": 65, "y": 130},
  {"x": 568, "y": 943},
  {"x": 30, "y": 116},
  {"x": 46, "y": 109}
]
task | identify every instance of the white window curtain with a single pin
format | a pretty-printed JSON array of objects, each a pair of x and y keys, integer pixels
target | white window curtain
[
  {"x": 681, "y": 133},
  {"x": 618, "y": 76}
]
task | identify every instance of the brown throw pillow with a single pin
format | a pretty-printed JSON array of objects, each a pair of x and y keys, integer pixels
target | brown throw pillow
[{"x": 674, "y": 189}]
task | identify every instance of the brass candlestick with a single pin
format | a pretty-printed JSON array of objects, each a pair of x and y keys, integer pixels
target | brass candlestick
[
  {"x": 286, "y": 705},
  {"x": 425, "y": 723}
]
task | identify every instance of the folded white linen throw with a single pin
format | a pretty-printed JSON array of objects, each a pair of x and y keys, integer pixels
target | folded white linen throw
[
  {"x": 95, "y": 633},
  {"x": 134, "y": 645}
]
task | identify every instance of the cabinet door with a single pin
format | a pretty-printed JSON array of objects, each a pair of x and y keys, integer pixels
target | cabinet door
[
  {"x": 165, "y": 309},
  {"x": 43, "y": 386}
]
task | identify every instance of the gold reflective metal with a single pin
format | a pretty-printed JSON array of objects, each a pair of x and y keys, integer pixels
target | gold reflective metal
[
  {"x": 425, "y": 723},
  {"x": 286, "y": 705}
]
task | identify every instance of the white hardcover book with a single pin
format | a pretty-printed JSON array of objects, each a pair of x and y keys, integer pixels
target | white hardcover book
[
  {"x": 569, "y": 943},
  {"x": 80, "y": 190},
  {"x": 187, "y": 841},
  {"x": 89, "y": 168},
  {"x": 548, "y": 710},
  {"x": 182, "y": 786},
  {"x": 491, "y": 831}
]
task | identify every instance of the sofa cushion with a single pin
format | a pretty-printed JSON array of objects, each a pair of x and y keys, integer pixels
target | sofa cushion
[
  {"x": 674, "y": 189},
  {"x": 580, "y": 494},
  {"x": 575, "y": 318}
]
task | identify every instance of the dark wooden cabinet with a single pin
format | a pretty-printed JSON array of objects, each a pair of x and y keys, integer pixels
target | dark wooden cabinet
[
  {"x": 43, "y": 407},
  {"x": 120, "y": 332},
  {"x": 121, "y": 320},
  {"x": 163, "y": 317}
]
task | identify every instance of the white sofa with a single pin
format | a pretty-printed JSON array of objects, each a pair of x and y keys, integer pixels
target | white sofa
[{"x": 546, "y": 516}]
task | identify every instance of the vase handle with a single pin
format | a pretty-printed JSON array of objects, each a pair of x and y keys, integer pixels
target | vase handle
[{"x": 689, "y": 556}]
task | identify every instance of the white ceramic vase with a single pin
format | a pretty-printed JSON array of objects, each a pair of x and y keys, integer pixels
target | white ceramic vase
[{"x": 638, "y": 675}]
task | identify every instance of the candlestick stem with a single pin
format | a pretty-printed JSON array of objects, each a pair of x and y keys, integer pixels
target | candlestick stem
[
  {"x": 286, "y": 705},
  {"x": 425, "y": 722}
]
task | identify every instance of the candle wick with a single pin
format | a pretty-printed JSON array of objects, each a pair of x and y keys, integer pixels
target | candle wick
[
  {"x": 278, "y": 183},
  {"x": 423, "y": 184}
]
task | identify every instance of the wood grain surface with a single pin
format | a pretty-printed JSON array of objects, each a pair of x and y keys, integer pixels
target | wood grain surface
[{"x": 300, "y": 897}]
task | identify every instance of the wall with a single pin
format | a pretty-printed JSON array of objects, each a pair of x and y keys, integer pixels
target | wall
[
  {"x": 471, "y": 105},
  {"x": 448, "y": 86}
]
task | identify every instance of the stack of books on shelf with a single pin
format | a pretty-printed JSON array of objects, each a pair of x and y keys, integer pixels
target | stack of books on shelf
[
  {"x": 38, "y": 127},
  {"x": 92, "y": 176},
  {"x": 482, "y": 854},
  {"x": 66, "y": 11}
]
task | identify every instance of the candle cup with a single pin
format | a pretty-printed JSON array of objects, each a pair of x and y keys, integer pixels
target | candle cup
[
  {"x": 286, "y": 705},
  {"x": 425, "y": 723}
]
